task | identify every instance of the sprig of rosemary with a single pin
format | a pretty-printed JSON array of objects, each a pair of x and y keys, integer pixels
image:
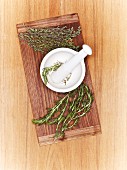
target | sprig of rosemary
[
  {"x": 47, "y": 70},
  {"x": 71, "y": 108},
  {"x": 47, "y": 39},
  {"x": 54, "y": 67}
]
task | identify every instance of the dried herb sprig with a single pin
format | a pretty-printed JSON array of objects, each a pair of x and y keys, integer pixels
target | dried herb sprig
[
  {"x": 71, "y": 108},
  {"x": 47, "y": 39}
]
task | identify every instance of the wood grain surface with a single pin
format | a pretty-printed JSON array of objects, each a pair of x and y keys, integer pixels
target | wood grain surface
[
  {"x": 42, "y": 97},
  {"x": 104, "y": 24}
]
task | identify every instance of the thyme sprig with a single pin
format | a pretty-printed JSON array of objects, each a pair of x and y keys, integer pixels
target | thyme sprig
[
  {"x": 71, "y": 108},
  {"x": 47, "y": 39}
]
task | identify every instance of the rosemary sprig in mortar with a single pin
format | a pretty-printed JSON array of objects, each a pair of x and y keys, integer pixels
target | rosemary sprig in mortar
[
  {"x": 54, "y": 67},
  {"x": 47, "y": 70},
  {"x": 71, "y": 108},
  {"x": 47, "y": 39}
]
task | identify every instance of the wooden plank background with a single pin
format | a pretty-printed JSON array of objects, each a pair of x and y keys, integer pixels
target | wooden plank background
[{"x": 104, "y": 24}]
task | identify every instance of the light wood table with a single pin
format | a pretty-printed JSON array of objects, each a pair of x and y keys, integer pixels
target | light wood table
[{"x": 104, "y": 25}]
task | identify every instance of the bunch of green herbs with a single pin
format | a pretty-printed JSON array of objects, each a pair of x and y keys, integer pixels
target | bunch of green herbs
[
  {"x": 68, "y": 110},
  {"x": 47, "y": 39}
]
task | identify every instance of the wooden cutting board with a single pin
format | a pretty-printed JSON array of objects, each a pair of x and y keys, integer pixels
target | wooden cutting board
[{"x": 40, "y": 96}]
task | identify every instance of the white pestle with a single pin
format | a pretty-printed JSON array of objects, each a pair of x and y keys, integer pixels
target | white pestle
[{"x": 65, "y": 69}]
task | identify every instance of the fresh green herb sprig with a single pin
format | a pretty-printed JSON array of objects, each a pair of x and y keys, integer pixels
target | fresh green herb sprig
[
  {"x": 54, "y": 67},
  {"x": 71, "y": 108},
  {"x": 47, "y": 70},
  {"x": 47, "y": 39}
]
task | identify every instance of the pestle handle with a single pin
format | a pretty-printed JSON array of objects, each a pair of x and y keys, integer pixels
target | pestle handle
[{"x": 66, "y": 68}]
